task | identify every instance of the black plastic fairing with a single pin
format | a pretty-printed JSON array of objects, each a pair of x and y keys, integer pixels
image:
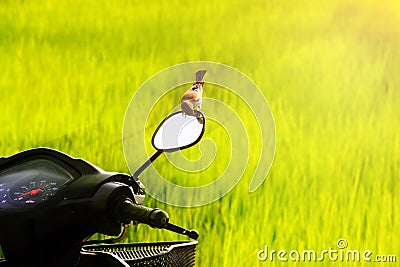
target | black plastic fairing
[{"x": 86, "y": 178}]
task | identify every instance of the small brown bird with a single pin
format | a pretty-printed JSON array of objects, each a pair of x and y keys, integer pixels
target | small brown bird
[{"x": 192, "y": 98}]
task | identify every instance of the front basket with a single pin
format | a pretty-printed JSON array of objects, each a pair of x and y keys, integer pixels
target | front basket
[{"x": 153, "y": 254}]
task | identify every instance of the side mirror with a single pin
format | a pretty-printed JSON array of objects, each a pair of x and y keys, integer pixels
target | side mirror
[
  {"x": 175, "y": 132},
  {"x": 178, "y": 131}
]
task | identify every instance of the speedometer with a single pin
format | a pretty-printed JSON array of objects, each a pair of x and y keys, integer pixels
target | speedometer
[
  {"x": 35, "y": 191},
  {"x": 31, "y": 183}
]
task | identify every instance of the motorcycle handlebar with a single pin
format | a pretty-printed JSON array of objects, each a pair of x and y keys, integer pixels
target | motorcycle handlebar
[{"x": 125, "y": 210}]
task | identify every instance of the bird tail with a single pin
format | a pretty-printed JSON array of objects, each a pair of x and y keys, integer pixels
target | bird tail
[{"x": 200, "y": 75}]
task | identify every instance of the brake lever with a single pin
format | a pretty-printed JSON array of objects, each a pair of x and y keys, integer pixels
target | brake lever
[{"x": 180, "y": 230}]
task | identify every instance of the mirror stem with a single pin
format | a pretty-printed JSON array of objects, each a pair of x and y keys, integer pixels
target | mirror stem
[{"x": 146, "y": 164}]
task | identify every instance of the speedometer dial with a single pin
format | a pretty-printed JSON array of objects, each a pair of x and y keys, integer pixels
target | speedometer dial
[
  {"x": 34, "y": 192},
  {"x": 34, "y": 182}
]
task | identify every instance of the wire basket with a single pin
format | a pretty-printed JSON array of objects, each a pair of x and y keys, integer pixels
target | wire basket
[{"x": 153, "y": 254}]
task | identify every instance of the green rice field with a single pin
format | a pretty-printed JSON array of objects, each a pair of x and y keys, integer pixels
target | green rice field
[{"x": 330, "y": 73}]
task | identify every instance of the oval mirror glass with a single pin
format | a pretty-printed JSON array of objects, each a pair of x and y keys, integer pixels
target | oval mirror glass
[{"x": 179, "y": 131}]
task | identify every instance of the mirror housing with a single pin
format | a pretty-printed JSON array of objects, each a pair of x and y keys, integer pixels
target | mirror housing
[{"x": 179, "y": 131}]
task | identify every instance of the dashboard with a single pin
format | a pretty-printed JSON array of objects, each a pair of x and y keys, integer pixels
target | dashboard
[{"x": 31, "y": 183}]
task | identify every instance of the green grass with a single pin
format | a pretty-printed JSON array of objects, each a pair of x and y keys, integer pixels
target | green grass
[{"x": 329, "y": 71}]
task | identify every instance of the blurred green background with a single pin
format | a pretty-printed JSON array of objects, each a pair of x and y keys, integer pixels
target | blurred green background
[{"x": 330, "y": 71}]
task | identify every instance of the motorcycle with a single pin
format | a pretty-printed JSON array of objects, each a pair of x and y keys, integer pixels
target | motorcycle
[{"x": 51, "y": 204}]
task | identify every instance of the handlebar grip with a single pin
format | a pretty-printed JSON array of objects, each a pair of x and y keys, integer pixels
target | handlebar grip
[{"x": 125, "y": 210}]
